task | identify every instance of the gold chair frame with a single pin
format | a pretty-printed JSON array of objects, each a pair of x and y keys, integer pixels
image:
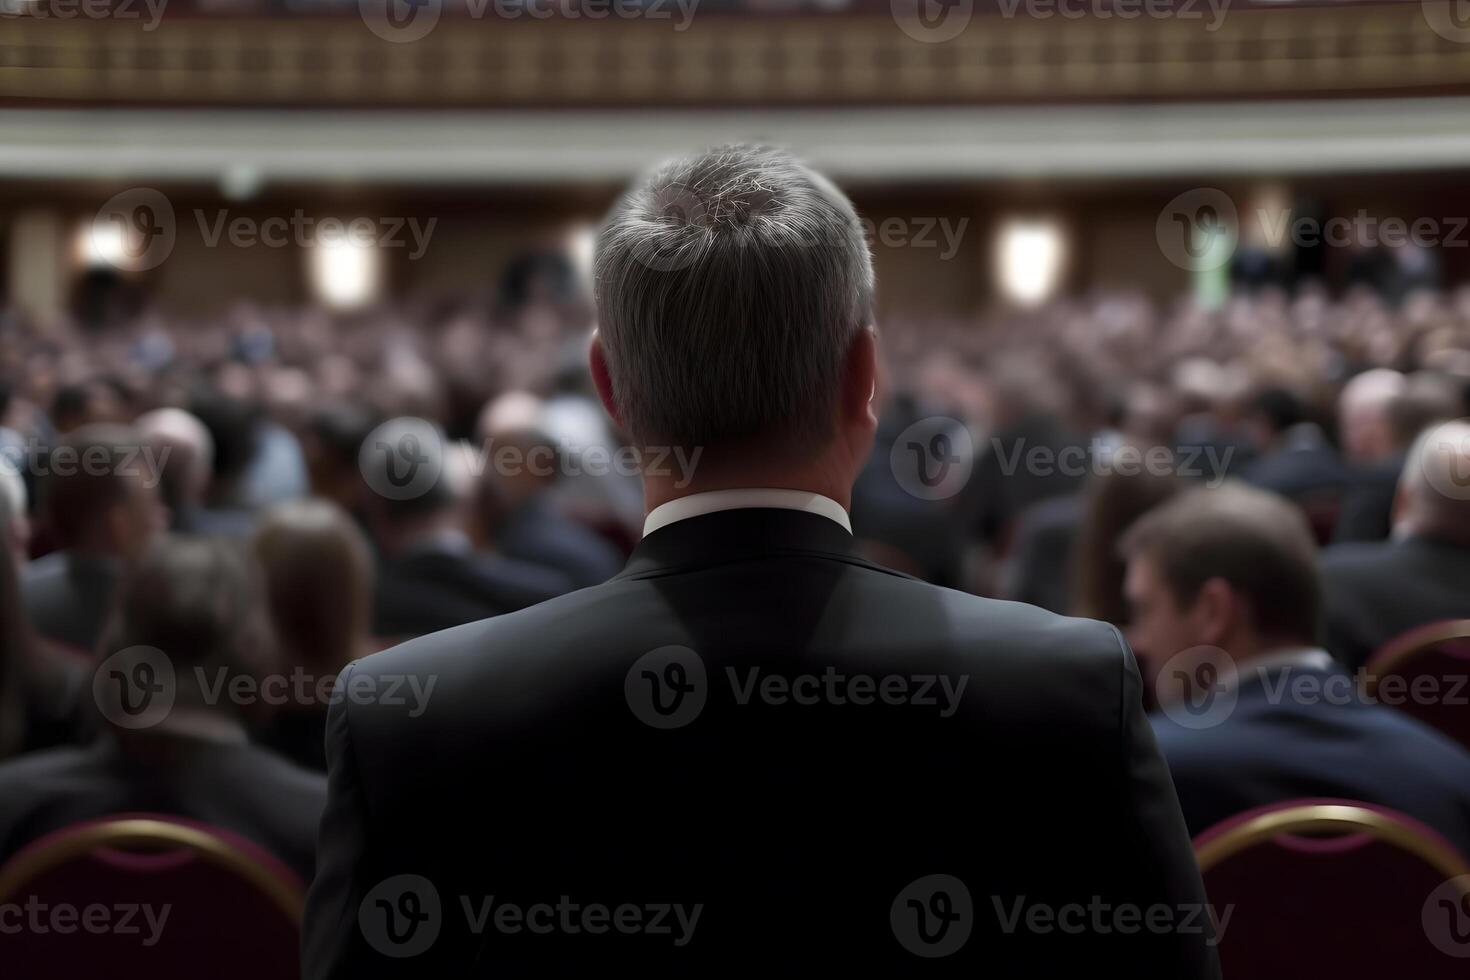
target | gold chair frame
[
  {"x": 132, "y": 831},
  {"x": 1342, "y": 818}
]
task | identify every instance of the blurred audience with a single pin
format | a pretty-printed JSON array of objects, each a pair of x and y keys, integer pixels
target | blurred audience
[
  {"x": 1378, "y": 590},
  {"x": 100, "y": 501},
  {"x": 430, "y": 577},
  {"x": 187, "y": 626},
  {"x": 1224, "y": 598},
  {"x": 254, "y": 426},
  {"x": 318, "y": 574}
]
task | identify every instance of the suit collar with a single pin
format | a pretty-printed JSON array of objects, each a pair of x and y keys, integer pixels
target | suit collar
[{"x": 734, "y": 535}]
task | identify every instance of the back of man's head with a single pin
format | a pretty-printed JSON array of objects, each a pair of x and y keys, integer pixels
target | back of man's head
[
  {"x": 1435, "y": 486},
  {"x": 1257, "y": 542},
  {"x": 98, "y": 492},
  {"x": 1364, "y": 411},
  {"x": 195, "y": 600},
  {"x": 730, "y": 287}
]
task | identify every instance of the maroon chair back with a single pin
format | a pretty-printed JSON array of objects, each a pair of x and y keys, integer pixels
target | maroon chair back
[
  {"x": 148, "y": 896},
  {"x": 1434, "y": 661},
  {"x": 1336, "y": 888}
]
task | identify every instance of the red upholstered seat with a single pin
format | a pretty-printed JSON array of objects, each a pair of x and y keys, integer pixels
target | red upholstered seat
[
  {"x": 1426, "y": 672},
  {"x": 1335, "y": 889},
  {"x": 148, "y": 896}
]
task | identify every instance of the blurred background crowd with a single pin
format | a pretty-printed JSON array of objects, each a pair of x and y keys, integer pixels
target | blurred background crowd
[{"x": 256, "y": 258}]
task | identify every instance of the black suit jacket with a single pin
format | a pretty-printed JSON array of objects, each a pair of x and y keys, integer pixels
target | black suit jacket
[
  {"x": 1283, "y": 740},
  {"x": 236, "y": 786},
  {"x": 805, "y": 827},
  {"x": 1367, "y": 508},
  {"x": 1375, "y": 592}
]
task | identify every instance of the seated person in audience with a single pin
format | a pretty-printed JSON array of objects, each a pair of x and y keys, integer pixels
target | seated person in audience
[
  {"x": 1295, "y": 458},
  {"x": 429, "y": 576},
  {"x": 192, "y": 601},
  {"x": 318, "y": 574},
  {"x": 100, "y": 503},
  {"x": 41, "y": 691},
  {"x": 1381, "y": 414},
  {"x": 1376, "y": 591},
  {"x": 188, "y": 472},
  {"x": 520, "y": 517},
  {"x": 1365, "y": 430},
  {"x": 1224, "y": 598},
  {"x": 332, "y": 440}
]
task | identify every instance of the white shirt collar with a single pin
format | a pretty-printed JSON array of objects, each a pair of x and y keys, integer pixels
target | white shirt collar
[
  {"x": 1290, "y": 658},
  {"x": 712, "y": 501}
]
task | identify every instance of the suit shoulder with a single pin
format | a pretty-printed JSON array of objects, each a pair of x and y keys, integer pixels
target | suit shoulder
[
  {"x": 1352, "y": 555},
  {"x": 1000, "y": 625},
  {"x": 461, "y": 644}
]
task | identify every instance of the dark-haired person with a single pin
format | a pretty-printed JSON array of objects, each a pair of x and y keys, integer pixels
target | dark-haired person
[
  {"x": 1378, "y": 590},
  {"x": 1295, "y": 459},
  {"x": 190, "y": 610},
  {"x": 1225, "y": 613},
  {"x": 100, "y": 502},
  {"x": 317, "y": 569},
  {"x": 736, "y": 757}
]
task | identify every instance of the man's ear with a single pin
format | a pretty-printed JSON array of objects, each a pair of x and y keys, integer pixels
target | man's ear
[
  {"x": 860, "y": 380},
  {"x": 1216, "y": 610},
  {"x": 597, "y": 361}
]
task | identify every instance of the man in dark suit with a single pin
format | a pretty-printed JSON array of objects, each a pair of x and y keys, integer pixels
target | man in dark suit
[
  {"x": 752, "y": 750},
  {"x": 1376, "y": 591},
  {"x": 522, "y": 516},
  {"x": 1225, "y": 606},
  {"x": 100, "y": 500},
  {"x": 186, "y": 613},
  {"x": 1295, "y": 458},
  {"x": 430, "y": 577},
  {"x": 1371, "y": 447}
]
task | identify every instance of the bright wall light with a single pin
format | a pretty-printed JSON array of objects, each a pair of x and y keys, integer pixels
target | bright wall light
[
  {"x": 1029, "y": 259},
  {"x": 344, "y": 271},
  {"x": 100, "y": 244}
]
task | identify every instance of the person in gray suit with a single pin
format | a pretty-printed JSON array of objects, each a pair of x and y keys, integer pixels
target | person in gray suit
[{"x": 752, "y": 749}]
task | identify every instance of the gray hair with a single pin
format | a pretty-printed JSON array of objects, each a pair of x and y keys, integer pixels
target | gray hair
[{"x": 730, "y": 286}]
